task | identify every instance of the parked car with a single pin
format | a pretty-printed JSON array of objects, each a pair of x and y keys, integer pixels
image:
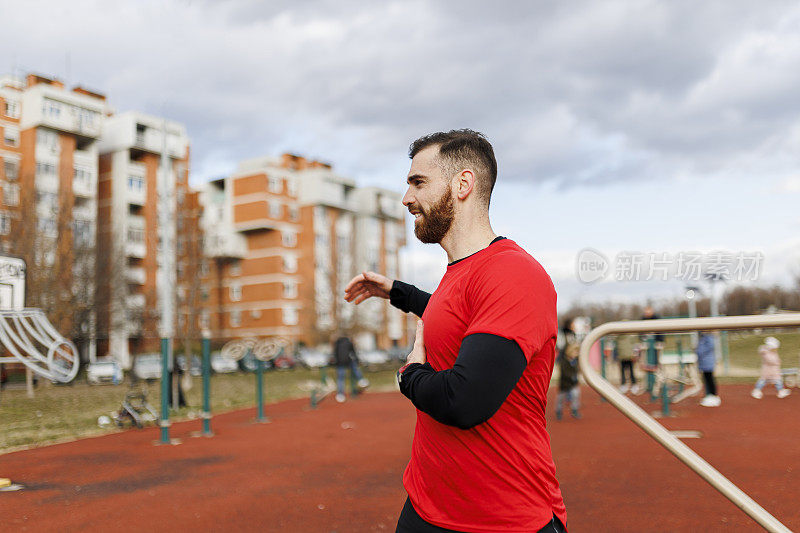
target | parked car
[
  {"x": 105, "y": 371},
  {"x": 373, "y": 357},
  {"x": 312, "y": 358},
  {"x": 195, "y": 368},
  {"x": 147, "y": 366},
  {"x": 222, "y": 365}
]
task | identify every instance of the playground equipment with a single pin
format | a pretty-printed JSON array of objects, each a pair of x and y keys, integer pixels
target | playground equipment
[
  {"x": 28, "y": 335},
  {"x": 323, "y": 389},
  {"x": 263, "y": 349},
  {"x": 659, "y": 432},
  {"x": 135, "y": 410}
]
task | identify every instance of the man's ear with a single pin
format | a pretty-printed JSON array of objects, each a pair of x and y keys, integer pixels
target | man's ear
[{"x": 465, "y": 183}]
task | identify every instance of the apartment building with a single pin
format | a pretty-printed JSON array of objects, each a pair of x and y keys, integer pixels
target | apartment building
[
  {"x": 143, "y": 189},
  {"x": 48, "y": 179},
  {"x": 283, "y": 236}
]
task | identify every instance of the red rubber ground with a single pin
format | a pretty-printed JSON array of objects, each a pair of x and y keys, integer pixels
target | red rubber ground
[{"x": 338, "y": 468}]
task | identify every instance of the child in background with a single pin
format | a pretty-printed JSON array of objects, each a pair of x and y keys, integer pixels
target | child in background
[
  {"x": 770, "y": 369},
  {"x": 706, "y": 360}
]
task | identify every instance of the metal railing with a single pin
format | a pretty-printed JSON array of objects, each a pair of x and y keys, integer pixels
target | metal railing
[{"x": 659, "y": 432}]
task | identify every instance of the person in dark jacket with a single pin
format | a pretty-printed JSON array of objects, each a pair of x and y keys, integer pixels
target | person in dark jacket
[
  {"x": 706, "y": 359},
  {"x": 344, "y": 357},
  {"x": 568, "y": 389}
]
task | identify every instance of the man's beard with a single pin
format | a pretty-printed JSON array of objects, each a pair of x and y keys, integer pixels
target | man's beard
[{"x": 434, "y": 224}]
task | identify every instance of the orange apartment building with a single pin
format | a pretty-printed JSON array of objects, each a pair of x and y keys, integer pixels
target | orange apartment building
[
  {"x": 129, "y": 201},
  {"x": 265, "y": 251},
  {"x": 48, "y": 178},
  {"x": 283, "y": 236}
]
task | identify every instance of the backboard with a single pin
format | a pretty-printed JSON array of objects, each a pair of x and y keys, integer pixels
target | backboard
[{"x": 12, "y": 282}]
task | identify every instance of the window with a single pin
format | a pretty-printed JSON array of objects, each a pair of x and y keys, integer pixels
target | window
[
  {"x": 47, "y": 200},
  {"x": 11, "y": 135},
  {"x": 294, "y": 213},
  {"x": 290, "y": 317},
  {"x": 236, "y": 318},
  {"x": 47, "y": 139},
  {"x": 274, "y": 209},
  {"x": 204, "y": 268},
  {"x": 291, "y": 187},
  {"x": 205, "y": 319},
  {"x": 181, "y": 196},
  {"x": 11, "y": 194},
  {"x": 236, "y": 268},
  {"x": 82, "y": 232},
  {"x": 45, "y": 169},
  {"x": 289, "y": 239},
  {"x": 136, "y": 184},
  {"x": 12, "y": 108},
  {"x": 47, "y": 227},
  {"x": 11, "y": 169},
  {"x": 204, "y": 294},
  {"x": 289, "y": 289},
  {"x": 5, "y": 223},
  {"x": 275, "y": 185},
  {"x": 82, "y": 175},
  {"x": 51, "y": 108},
  {"x": 135, "y": 235},
  {"x": 236, "y": 292},
  {"x": 289, "y": 263}
]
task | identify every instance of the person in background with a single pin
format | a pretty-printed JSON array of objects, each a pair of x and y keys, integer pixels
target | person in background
[
  {"x": 770, "y": 369},
  {"x": 344, "y": 357},
  {"x": 706, "y": 360},
  {"x": 627, "y": 352},
  {"x": 568, "y": 389}
]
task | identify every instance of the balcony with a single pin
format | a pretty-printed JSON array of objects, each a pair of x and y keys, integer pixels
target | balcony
[
  {"x": 151, "y": 140},
  {"x": 135, "y": 249},
  {"x": 136, "y": 184},
  {"x": 47, "y": 183},
  {"x": 83, "y": 187},
  {"x": 136, "y": 275},
  {"x": 230, "y": 246},
  {"x": 135, "y": 301},
  {"x": 86, "y": 212}
]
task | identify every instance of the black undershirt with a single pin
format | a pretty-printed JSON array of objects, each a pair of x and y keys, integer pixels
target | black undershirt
[{"x": 485, "y": 372}]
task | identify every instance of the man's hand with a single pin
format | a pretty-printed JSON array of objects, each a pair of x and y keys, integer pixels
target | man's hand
[
  {"x": 365, "y": 285},
  {"x": 417, "y": 354}
]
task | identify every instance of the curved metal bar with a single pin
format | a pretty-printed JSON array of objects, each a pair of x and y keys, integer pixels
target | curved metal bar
[
  {"x": 33, "y": 323},
  {"x": 41, "y": 323},
  {"x": 656, "y": 430},
  {"x": 11, "y": 347}
]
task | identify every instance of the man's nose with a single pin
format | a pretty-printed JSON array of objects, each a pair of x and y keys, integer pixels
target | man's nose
[{"x": 408, "y": 198}]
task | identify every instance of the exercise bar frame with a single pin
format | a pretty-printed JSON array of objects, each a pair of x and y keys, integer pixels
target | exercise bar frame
[{"x": 659, "y": 432}]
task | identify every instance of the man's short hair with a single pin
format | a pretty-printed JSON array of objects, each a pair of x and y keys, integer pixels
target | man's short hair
[{"x": 460, "y": 149}]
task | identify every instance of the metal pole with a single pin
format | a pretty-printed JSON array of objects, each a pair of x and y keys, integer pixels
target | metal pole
[
  {"x": 260, "y": 391},
  {"x": 659, "y": 432},
  {"x": 165, "y": 279},
  {"x": 164, "y": 392},
  {"x": 206, "y": 384}
]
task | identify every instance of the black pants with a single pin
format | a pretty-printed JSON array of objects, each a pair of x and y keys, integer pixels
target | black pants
[
  {"x": 411, "y": 522},
  {"x": 711, "y": 385},
  {"x": 627, "y": 363}
]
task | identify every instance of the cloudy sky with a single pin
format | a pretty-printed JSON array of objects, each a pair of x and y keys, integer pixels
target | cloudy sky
[{"x": 622, "y": 126}]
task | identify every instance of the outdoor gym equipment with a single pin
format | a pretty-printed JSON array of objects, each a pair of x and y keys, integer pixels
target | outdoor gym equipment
[
  {"x": 29, "y": 337},
  {"x": 659, "y": 432},
  {"x": 31, "y": 340},
  {"x": 263, "y": 349}
]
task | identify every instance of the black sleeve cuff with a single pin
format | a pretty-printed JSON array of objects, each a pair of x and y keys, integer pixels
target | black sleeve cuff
[{"x": 408, "y": 298}]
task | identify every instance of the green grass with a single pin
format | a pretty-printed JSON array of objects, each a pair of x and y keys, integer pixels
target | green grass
[
  {"x": 744, "y": 348},
  {"x": 63, "y": 412}
]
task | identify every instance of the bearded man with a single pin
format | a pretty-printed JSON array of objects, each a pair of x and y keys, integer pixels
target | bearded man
[{"x": 482, "y": 359}]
